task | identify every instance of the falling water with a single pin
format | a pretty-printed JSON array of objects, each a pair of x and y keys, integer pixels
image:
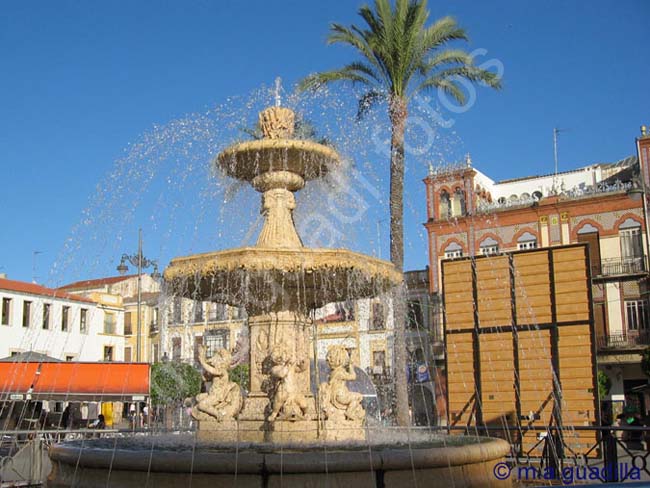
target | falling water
[{"x": 167, "y": 184}]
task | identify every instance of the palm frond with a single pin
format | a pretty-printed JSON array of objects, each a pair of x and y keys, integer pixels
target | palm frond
[
  {"x": 368, "y": 100},
  {"x": 473, "y": 74},
  {"x": 448, "y": 57},
  {"x": 316, "y": 80},
  {"x": 446, "y": 85},
  {"x": 442, "y": 32}
]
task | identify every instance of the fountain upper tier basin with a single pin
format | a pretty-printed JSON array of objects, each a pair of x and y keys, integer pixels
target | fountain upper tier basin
[
  {"x": 270, "y": 279},
  {"x": 247, "y": 160}
]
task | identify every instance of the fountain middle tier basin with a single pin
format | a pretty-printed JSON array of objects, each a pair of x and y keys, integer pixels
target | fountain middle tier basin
[
  {"x": 414, "y": 459},
  {"x": 246, "y": 160},
  {"x": 280, "y": 278}
]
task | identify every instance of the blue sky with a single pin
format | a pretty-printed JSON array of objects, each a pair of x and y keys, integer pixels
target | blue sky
[{"x": 83, "y": 83}]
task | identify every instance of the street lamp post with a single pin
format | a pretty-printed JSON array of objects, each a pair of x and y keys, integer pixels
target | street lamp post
[{"x": 141, "y": 262}]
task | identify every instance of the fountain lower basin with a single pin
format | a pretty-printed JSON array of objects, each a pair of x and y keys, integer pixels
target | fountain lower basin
[
  {"x": 408, "y": 458},
  {"x": 312, "y": 276}
]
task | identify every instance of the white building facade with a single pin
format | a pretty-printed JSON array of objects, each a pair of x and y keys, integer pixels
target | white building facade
[{"x": 58, "y": 324}]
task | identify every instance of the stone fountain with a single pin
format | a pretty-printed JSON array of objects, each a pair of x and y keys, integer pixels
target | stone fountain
[
  {"x": 281, "y": 432},
  {"x": 279, "y": 281}
]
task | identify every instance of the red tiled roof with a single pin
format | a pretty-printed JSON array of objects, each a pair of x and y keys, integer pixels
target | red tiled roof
[
  {"x": 34, "y": 289},
  {"x": 95, "y": 283}
]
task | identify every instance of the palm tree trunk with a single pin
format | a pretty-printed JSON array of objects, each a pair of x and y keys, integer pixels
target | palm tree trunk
[{"x": 398, "y": 114}]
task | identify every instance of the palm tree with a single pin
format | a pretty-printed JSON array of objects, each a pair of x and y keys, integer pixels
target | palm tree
[{"x": 401, "y": 57}]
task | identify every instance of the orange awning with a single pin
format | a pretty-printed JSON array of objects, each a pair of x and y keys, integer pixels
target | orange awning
[{"x": 74, "y": 381}]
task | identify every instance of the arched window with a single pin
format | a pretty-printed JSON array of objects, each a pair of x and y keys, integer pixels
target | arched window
[
  {"x": 459, "y": 203},
  {"x": 527, "y": 241},
  {"x": 453, "y": 250},
  {"x": 489, "y": 246},
  {"x": 445, "y": 205}
]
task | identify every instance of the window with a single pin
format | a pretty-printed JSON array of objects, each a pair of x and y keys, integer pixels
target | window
[
  {"x": 127, "y": 354},
  {"x": 218, "y": 312},
  {"x": 69, "y": 357},
  {"x": 636, "y": 313},
  {"x": 154, "y": 319},
  {"x": 83, "y": 321},
  {"x": 378, "y": 362},
  {"x": 177, "y": 310},
  {"x": 6, "y": 310},
  {"x": 589, "y": 234},
  {"x": 198, "y": 312},
  {"x": 415, "y": 315},
  {"x": 155, "y": 353},
  {"x": 46, "y": 316},
  {"x": 14, "y": 353},
  {"x": 489, "y": 250},
  {"x": 65, "y": 314},
  {"x": 631, "y": 246},
  {"x": 110, "y": 323},
  {"x": 108, "y": 353},
  {"x": 445, "y": 205},
  {"x": 527, "y": 241},
  {"x": 527, "y": 245},
  {"x": 453, "y": 250},
  {"x": 216, "y": 339},
  {"x": 198, "y": 342},
  {"x": 459, "y": 203},
  {"x": 176, "y": 348},
  {"x": 128, "y": 328},
  {"x": 27, "y": 310},
  {"x": 488, "y": 246},
  {"x": 377, "y": 320}
]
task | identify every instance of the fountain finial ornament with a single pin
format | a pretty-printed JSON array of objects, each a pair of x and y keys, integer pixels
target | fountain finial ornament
[{"x": 277, "y": 122}]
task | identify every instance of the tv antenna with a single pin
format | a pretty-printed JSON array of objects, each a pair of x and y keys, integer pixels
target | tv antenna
[{"x": 556, "y": 131}]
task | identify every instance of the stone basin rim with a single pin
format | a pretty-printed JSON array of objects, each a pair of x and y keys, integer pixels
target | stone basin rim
[
  {"x": 300, "y": 260},
  {"x": 203, "y": 460},
  {"x": 314, "y": 158}
]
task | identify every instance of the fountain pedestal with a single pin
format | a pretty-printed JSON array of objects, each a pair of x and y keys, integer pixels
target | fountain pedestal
[{"x": 279, "y": 342}]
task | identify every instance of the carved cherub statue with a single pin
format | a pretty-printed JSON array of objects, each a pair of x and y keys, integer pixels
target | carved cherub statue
[
  {"x": 288, "y": 399},
  {"x": 337, "y": 401},
  {"x": 224, "y": 400}
]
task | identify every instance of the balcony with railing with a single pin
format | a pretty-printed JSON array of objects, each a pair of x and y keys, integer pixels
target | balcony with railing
[
  {"x": 631, "y": 339},
  {"x": 619, "y": 267}
]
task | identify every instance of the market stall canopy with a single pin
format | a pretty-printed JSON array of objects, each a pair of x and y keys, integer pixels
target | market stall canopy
[{"x": 74, "y": 381}]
